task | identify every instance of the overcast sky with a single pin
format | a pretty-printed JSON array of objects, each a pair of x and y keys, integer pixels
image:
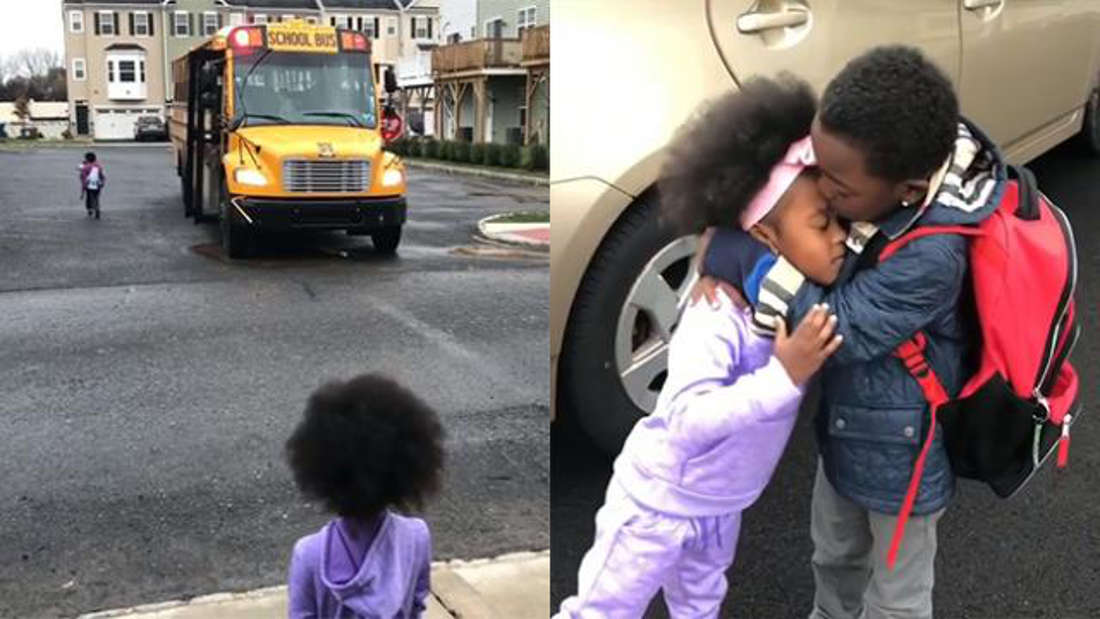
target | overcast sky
[{"x": 30, "y": 23}]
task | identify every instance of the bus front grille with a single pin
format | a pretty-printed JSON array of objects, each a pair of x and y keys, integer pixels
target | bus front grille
[{"x": 326, "y": 176}]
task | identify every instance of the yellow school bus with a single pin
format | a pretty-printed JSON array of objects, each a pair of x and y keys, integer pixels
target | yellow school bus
[{"x": 278, "y": 126}]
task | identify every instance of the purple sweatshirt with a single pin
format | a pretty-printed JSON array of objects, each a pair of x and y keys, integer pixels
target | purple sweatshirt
[
  {"x": 378, "y": 570},
  {"x": 721, "y": 423}
]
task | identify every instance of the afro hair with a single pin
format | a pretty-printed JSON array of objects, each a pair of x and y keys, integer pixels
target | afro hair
[
  {"x": 897, "y": 107},
  {"x": 365, "y": 445},
  {"x": 723, "y": 155}
]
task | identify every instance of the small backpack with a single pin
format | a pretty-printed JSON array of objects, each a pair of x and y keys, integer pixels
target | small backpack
[
  {"x": 92, "y": 181},
  {"x": 1021, "y": 402}
]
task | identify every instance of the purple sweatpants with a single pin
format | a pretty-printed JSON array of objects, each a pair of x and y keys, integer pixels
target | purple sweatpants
[{"x": 638, "y": 551}]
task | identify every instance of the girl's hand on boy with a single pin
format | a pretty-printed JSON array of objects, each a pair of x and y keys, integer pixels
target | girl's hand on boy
[
  {"x": 803, "y": 353},
  {"x": 708, "y": 287}
]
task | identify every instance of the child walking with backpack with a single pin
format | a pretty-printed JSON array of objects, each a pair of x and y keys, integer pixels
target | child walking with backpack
[
  {"x": 92, "y": 180},
  {"x": 367, "y": 449},
  {"x": 672, "y": 514},
  {"x": 895, "y": 155}
]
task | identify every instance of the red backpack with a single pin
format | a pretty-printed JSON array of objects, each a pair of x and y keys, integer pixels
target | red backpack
[{"x": 1022, "y": 400}]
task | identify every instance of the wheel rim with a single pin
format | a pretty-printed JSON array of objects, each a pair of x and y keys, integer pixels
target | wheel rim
[{"x": 648, "y": 318}]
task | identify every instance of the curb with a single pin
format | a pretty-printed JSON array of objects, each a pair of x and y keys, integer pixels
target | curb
[
  {"x": 450, "y": 593},
  {"x": 506, "y": 234},
  {"x": 471, "y": 171}
]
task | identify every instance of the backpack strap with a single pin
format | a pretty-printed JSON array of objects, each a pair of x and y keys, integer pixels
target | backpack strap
[
  {"x": 1028, "y": 201},
  {"x": 894, "y": 246},
  {"x": 911, "y": 353}
]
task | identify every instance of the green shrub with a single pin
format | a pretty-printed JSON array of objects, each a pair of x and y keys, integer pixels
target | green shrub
[
  {"x": 477, "y": 153},
  {"x": 449, "y": 150},
  {"x": 527, "y": 157},
  {"x": 509, "y": 155},
  {"x": 435, "y": 148},
  {"x": 542, "y": 157},
  {"x": 492, "y": 154},
  {"x": 462, "y": 152}
]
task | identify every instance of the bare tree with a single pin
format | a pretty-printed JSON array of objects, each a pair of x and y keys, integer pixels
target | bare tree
[{"x": 38, "y": 61}]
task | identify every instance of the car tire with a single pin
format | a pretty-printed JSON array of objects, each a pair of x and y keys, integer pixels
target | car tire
[
  {"x": 593, "y": 387},
  {"x": 386, "y": 240},
  {"x": 1089, "y": 138}
]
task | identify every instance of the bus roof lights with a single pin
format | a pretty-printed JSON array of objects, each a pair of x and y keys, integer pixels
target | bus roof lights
[
  {"x": 354, "y": 41},
  {"x": 246, "y": 37}
]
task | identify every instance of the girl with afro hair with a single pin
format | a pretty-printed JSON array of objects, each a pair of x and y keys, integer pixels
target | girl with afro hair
[
  {"x": 672, "y": 513},
  {"x": 366, "y": 449}
]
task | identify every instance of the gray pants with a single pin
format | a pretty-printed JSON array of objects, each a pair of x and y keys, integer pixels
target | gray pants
[{"x": 849, "y": 563}]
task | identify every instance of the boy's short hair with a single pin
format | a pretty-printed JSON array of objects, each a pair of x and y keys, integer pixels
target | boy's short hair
[
  {"x": 367, "y": 444},
  {"x": 723, "y": 156},
  {"x": 896, "y": 106},
  {"x": 89, "y": 157}
]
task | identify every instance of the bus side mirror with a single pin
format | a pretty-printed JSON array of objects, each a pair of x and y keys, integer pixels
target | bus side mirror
[{"x": 390, "y": 81}]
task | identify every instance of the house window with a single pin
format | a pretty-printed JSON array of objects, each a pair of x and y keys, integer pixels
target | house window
[
  {"x": 79, "y": 69},
  {"x": 494, "y": 28},
  {"x": 182, "y": 24},
  {"x": 370, "y": 26},
  {"x": 141, "y": 24},
  {"x": 391, "y": 26},
  {"x": 209, "y": 23},
  {"x": 107, "y": 23},
  {"x": 127, "y": 71},
  {"x": 76, "y": 21},
  {"x": 422, "y": 27},
  {"x": 526, "y": 18},
  {"x": 259, "y": 19}
]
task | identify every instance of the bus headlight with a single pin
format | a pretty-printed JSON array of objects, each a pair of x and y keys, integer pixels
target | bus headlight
[
  {"x": 392, "y": 177},
  {"x": 247, "y": 176}
]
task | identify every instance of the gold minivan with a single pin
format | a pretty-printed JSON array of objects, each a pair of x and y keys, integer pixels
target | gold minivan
[{"x": 629, "y": 72}]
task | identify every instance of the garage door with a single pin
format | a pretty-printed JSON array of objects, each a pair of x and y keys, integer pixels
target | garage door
[{"x": 115, "y": 124}]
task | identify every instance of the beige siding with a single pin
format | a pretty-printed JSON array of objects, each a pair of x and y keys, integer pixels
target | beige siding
[{"x": 93, "y": 48}]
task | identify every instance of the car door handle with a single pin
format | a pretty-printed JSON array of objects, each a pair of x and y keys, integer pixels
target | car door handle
[
  {"x": 974, "y": 5},
  {"x": 755, "y": 22}
]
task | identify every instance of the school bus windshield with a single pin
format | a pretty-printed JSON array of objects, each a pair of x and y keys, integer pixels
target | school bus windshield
[{"x": 304, "y": 88}]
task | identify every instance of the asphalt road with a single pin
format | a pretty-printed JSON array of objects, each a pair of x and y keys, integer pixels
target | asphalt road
[
  {"x": 1036, "y": 555},
  {"x": 148, "y": 384}
]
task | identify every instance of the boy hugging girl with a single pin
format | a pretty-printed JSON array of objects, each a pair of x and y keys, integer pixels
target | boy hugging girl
[{"x": 802, "y": 196}]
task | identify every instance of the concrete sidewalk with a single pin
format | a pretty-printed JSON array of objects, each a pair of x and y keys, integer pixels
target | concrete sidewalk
[
  {"x": 535, "y": 236},
  {"x": 529, "y": 178},
  {"x": 506, "y": 587}
]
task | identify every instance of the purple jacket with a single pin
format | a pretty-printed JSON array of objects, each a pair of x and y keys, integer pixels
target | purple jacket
[
  {"x": 721, "y": 423},
  {"x": 345, "y": 570}
]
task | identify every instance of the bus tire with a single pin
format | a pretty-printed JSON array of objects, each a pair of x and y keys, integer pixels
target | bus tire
[
  {"x": 236, "y": 239},
  {"x": 386, "y": 240}
]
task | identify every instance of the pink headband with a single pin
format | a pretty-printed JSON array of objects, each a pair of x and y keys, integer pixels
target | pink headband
[{"x": 799, "y": 157}]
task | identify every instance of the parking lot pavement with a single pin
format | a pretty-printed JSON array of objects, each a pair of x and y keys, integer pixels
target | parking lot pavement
[{"x": 149, "y": 384}]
